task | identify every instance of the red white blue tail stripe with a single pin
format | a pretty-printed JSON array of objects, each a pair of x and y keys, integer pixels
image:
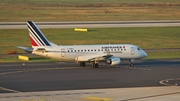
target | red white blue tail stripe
[{"x": 36, "y": 36}]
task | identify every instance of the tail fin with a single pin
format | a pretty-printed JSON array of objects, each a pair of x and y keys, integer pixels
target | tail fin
[{"x": 36, "y": 36}]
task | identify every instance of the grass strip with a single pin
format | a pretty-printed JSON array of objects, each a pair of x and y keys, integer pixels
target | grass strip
[
  {"x": 84, "y": 1},
  {"x": 89, "y": 10},
  {"x": 163, "y": 55},
  {"x": 146, "y": 38}
]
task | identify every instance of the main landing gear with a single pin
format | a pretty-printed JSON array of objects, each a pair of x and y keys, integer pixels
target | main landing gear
[
  {"x": 94, "y": 65},
  {"x": 82, "y": 64}
]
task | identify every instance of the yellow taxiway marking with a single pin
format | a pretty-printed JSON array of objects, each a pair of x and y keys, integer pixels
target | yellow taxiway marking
[
  {"x": 23, "y": 57},
  {"x": 10, "y": 90},
  {"x": 81, "y": 29},
  {"x": 97, "y": 99}
]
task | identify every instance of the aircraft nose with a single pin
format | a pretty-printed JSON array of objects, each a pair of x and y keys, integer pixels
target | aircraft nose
[{"x": 144, "y": 54}]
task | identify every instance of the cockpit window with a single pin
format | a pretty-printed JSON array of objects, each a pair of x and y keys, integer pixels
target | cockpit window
[{"x": 139, "y": 48}]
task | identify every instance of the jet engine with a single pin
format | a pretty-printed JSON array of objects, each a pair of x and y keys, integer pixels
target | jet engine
[{"x": 113, "y": 61}]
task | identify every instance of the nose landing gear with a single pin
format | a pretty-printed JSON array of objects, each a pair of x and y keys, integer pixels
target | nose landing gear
[{"x": 130, "y": 62}]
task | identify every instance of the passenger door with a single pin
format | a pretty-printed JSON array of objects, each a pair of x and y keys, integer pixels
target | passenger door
[
  {"x": 132, "y": 51},
  {"x": 63, "y": 52}
]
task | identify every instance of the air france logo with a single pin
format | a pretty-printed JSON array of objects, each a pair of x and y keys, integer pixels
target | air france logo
[{"x": 118, "y": 47}]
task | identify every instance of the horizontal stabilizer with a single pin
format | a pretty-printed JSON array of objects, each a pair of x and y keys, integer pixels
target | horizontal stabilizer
[{"x": 26, "y": 49}]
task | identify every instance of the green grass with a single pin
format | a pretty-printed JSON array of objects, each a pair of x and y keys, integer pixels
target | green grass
[
  {"x": 84, "y": 1},
  {"x": 93, "y": 10},
  {"x": 163, "y": 55},
  {"x": 146, "y": 38},
  {"x": 88, "y": 10}
]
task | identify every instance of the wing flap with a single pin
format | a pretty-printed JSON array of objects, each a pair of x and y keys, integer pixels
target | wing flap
[{"x": 92, "y": 58}]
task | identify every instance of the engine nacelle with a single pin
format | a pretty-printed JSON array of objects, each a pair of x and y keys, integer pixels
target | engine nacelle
[{"x": 113, "y": 61}]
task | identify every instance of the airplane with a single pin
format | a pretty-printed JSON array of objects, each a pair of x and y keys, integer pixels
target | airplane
[{"x": 111, "y": 54}]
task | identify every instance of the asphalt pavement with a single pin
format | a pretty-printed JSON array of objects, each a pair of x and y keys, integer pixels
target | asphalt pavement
[
  {"x": 92, "y": 24},
  {"x": 147, "y": 80}
]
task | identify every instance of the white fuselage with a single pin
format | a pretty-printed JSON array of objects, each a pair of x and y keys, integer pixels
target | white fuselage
[
  {"x": 94, "y": 54},
  {"x": 72, "y": 52}
]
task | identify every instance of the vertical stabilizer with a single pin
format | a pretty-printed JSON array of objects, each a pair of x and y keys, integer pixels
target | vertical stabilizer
[{"x": 37, "y": 38}]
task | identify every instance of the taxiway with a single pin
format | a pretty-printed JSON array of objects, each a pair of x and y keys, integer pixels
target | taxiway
[
  {"x": 28, "y": 77},
  {"x": 146, "y": 80},
  {"x": 92, "y": 24}
]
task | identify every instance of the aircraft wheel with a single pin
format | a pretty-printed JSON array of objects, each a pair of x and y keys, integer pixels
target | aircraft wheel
[
  {"x": 82, "y": 64},
  {"x": 130, "y": 64},
  {"x": 95, "y": 65}
]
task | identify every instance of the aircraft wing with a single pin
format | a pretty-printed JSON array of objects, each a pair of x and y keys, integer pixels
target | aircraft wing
[
  {"x": 26, "y": 49},
  {"x": 95, "y": 57}
]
